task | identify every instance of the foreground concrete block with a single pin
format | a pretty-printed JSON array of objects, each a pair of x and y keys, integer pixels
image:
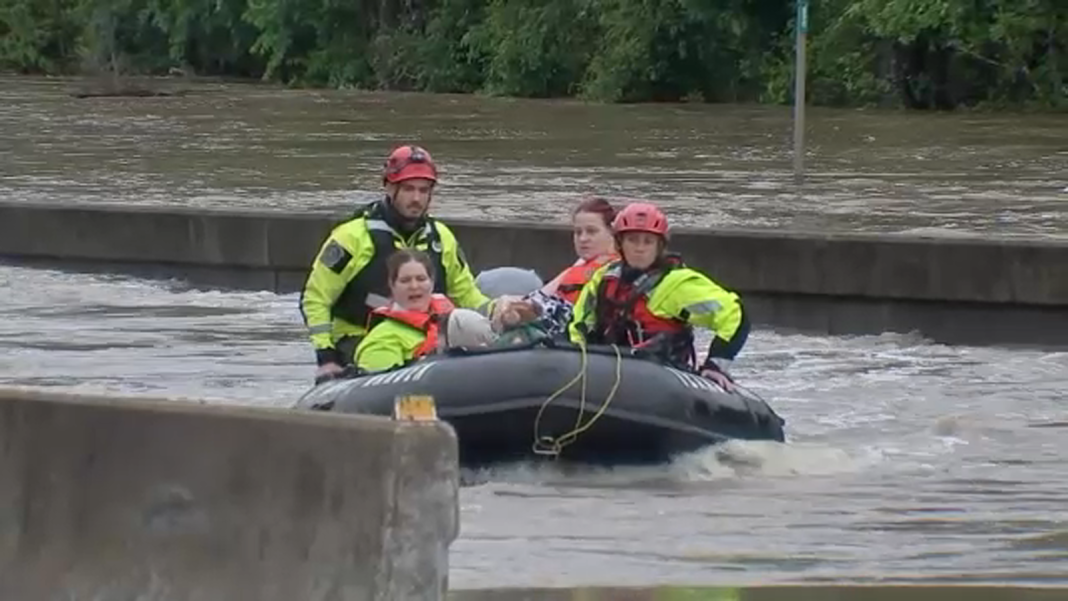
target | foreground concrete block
[{"x": 104, "y": 498}]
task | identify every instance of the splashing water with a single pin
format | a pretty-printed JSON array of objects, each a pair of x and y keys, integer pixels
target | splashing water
[{"x": 905, "y": 459}]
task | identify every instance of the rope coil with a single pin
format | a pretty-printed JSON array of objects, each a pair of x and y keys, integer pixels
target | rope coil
[{"x": 553, "y": 446}]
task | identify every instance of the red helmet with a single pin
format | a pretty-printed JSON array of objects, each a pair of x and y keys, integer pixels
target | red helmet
[
  {"x": 409, "y": 162},
  {"x": 641, "y": 217}
]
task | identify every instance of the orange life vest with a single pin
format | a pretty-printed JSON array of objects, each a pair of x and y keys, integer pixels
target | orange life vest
[
  {"x": 623, "y": 316},
  {"x": 428, "y": 322},
  {"x": 575, "y": 277}
]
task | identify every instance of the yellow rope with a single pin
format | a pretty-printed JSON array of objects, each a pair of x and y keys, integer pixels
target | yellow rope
[
  {"x": 582, "y": 402},
  {"x": 557, "y": 444}
]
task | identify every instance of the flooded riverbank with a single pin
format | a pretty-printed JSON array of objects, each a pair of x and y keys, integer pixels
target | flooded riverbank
[
  {"x": 233, "y": 145},
  {"x": 906, "y": 460}
]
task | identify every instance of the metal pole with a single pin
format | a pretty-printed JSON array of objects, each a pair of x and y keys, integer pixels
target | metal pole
[{"x": 799, "y": 91}]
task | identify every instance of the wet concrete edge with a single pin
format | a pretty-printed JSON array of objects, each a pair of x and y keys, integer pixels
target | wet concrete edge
[{"x": 953, "y": 290}]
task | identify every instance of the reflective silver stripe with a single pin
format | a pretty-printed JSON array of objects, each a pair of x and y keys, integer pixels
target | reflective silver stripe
[
  {"x": 709, "y": 306},
  {"x": 320, "y": 329},
  {"x": 381, "y": 225},
  {"x": 376, "y": 300},
  {"x": 484, "y": 308}
]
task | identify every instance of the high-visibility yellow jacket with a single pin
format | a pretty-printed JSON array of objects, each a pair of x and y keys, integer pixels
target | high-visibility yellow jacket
[
  {"x": 348, "y": 278},
  {"x": 677, "y": 298}
]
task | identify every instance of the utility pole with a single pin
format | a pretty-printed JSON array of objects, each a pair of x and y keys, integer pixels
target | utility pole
[{"x": 799, "y": 91}]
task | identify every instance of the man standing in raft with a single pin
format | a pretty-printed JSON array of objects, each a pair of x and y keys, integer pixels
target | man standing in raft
[
  {"x": 651, "y": 299},
  {"x": 349, "y": 277}
]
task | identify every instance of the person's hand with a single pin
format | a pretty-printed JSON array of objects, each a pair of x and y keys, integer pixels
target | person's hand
[
  {"x": 719, "y": 378},
  {"x": 510, "y": 311},
  {"x": 500, "y": 306},
  {"x": 509, "y": 318},
  {"x": 327, "y": 371},
  {"x": 521, "y": 311}
]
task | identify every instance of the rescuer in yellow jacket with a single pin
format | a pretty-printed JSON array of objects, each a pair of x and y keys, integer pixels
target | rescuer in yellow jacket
[
  {"x": 651, "y": 299},
  {"x": 349, "y": 279}
]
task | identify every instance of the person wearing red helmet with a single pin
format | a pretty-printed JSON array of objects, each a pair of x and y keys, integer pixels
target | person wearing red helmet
[
  {"x": 349, "y": 276},
  {"x": 651, "y": 299}
]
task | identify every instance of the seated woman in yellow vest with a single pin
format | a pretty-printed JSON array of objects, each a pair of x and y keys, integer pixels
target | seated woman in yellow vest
[
  {"x": 408, "y": 328},
  {"x": 415, "y": 323}
]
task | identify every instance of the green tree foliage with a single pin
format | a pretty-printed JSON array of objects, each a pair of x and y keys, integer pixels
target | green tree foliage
[
  {"x": 39, "y": 35},
  {"x": 533, "y": 47},
  {"x": 916, "y": 53}
]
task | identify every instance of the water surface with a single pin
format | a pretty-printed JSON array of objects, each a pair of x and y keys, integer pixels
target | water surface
[
  {"x": 906, "y": 461},
  {"x": 239, "y": 145}
]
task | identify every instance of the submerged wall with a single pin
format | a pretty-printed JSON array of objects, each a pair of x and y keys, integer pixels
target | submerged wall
[
  {"x": 785, "y": 592},
  {"x": 113, "y": 498},
  {"x": 954, "y": 289}
]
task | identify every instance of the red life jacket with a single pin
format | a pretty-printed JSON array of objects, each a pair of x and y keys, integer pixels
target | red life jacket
[
  {"x": 575, "y": 277},
  {"x": 428, "y": 322},
  {"x": 623, "y": 316}
]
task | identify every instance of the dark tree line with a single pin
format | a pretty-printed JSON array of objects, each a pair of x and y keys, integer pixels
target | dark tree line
[{"x": 914, "y": 53}]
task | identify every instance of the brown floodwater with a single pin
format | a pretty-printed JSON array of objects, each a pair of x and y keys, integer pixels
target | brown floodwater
[
  {"x": 238, "y": 145},
  {"x": 906, "y": 461}
]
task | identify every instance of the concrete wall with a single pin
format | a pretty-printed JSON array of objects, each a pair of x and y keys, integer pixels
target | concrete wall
[
  {"x": 833, "y": 592},
  {"x": 1011, "y": 290},
  {"x": 105, "y": 498}
]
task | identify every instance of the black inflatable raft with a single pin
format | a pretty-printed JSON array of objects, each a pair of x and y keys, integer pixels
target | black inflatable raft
[{"x": 525, "y": 402}]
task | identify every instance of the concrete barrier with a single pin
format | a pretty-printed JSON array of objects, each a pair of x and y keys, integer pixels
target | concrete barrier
[
  {"x": 105, "y": 498},
  {"x": 830, "y": 592},
  {"x": 954, "y": 289}
]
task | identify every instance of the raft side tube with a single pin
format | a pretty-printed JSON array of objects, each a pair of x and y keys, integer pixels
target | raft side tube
[{"x": 492, "y": 396}]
